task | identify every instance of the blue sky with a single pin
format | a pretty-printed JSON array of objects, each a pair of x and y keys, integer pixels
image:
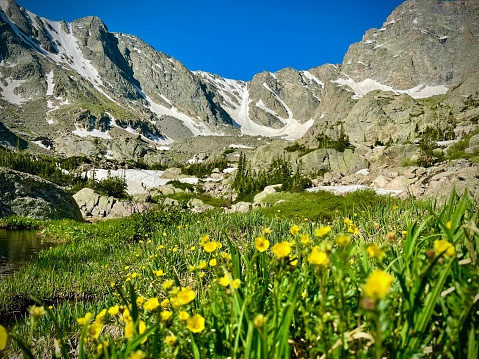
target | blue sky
[{"x": 234, "y": 39}]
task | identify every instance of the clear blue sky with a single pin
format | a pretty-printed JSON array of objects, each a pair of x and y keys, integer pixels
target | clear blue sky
[{"x": 234, "y": 39}]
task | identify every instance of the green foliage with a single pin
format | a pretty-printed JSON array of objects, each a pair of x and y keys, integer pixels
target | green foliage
[
  {"x": 203, "y": 169},
  {"x": 247, "y": 182},
  {"x": 111, "y": 186},
  {"x": 340, "y": 144},
  {"x": 457, "y": 150},
  {"x": 15, "y": 222},
  {"x": 46, "y": 167},
  {"x": 228, "y": 151},
  {"x": 182, "y": 185},
  {"x": 323, "y": 206}
]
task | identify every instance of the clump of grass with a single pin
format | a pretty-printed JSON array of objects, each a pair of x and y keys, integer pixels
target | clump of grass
[
  {"x": 394, "y": 281},
  {"x": 15, "y": 222}
]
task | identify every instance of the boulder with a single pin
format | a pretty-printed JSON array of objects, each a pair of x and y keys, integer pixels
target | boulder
[
  {"x": 26, "y": 195},
  {"x": 266, "y": 191},
  {"x": 241, "y": 207},
  {"x": 198, "y": 206}
]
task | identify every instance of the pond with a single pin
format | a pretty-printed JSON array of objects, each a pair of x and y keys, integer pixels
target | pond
[{"x": 17, "y": 247}]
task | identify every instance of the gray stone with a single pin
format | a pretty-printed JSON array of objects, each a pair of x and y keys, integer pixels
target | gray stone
[
  {"x": 87, "y": 199},
  {"x": 266, "y": 191},
  {"x": 347, "y": 162},
  {"x": 241, "y": 207},
  {"x": 198, "y": 206},
  {"x": 25, "y": 195}
]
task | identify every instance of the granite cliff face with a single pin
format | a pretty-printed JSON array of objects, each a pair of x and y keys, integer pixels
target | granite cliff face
[{"x": 78, "y": 89}]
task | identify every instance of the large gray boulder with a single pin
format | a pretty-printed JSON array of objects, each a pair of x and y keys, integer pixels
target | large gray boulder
[{"x": 26, "y": 195}]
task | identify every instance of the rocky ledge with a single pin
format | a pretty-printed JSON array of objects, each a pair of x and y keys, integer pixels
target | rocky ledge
[{"x": 25, "y": 195}]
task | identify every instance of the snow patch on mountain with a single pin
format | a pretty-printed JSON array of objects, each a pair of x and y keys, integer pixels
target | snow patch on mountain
[
  {"x": 50, "y": 84},
  {"x": 81, "y": 132},
  {"x": 8, "y": 91},
  {"x": 312, "y": 78},
  {"x": 363, "y": 87}
]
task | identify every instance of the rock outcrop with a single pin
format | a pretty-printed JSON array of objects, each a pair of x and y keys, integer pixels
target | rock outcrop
[
  {"x": 25, "y": 195},
  {"x": 96, "y": 206}
]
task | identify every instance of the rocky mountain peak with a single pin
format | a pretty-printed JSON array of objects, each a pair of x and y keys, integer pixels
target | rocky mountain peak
[{"x": 422, "y": 42}]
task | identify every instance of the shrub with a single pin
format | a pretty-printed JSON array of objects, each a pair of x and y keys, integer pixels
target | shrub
[{"x": 112, "y": 186}]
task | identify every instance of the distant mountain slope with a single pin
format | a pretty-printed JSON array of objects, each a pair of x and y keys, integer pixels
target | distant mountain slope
[{"x": 77, "y": 89}]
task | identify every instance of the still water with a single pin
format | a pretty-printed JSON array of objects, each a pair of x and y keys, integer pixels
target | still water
[{"x": 17, "y": 248}]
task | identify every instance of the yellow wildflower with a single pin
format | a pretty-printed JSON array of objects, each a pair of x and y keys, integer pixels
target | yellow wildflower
[
  {"x": 259, "y": 321},
  {"x": 114, "y": 310},
  {"x": 294, "y": 230},
  {"x": 94, "y": 330},
  {"x": 443, "y": 246},
  {"x": 318, "y": 257},
  {"x": 126, "y": 316},
  {"x": 85, "y": 319},
  {"x": 165, "y": 302},
  {"x": 449, "y": 225},
  {"x": 158, "y": 273},
  {"x": 137, "y": 355},
  {"x": 210, "y": 246},
  {"x": 170, "y": 340},
  {"x": 375, "y": 252},
  {"x": 343, "y": 240},
  {"x": 224, "y": 281},
  {"x": 183, "y": 315},
  {"x": 266, "y": 231},
  {"x": 151, "y": 304},
  {"x": 192, "y": 248},
  {"x": 236, "y": 283},
  {"x": 353, "y": 229},
  {"x": 36, "y": 312},
  {"x": 205, "y": 239},
  {"x": 130, "y": 328},
  {"x": 185, "y": 296},
  {"x": 261, "y": 243},
  {"x": 203, "y": 265},
  {"x": 305, "y": 239},
  {"x": 140, "y": 300},
  {"x": 3, "y": 338},
  {"x": 378, "y": 284},
  {"x": 196, "y": 323},
  {"x": 168, "y": 284},
  {"x": 192, "y": 268},
  {"x": 281, "y": 250},
  {"x": 347, "y": 221},
  {"x": 165, "y": 315},
  {"x": 404, "y": 234},
  {"x": 224, "y": 255},
  {"x": 213, "y": 262},
  {"x": 321, "y": 232},
  {"x": 100, "y": 315}
]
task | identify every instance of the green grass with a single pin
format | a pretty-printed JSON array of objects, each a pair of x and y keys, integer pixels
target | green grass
[
  {"x": 285, "y": 305},
  {"x": 457, "y": 150},
  {"x": 15, "y": 222},
  {"x": 322, "y": 205}
]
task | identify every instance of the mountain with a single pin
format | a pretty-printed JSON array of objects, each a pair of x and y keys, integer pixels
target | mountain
[{"x": 78, "y": 89}]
